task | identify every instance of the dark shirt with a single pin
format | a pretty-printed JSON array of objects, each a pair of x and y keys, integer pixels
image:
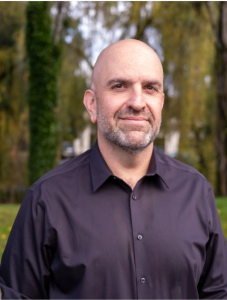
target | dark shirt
[{"x": 81, "y": 232}]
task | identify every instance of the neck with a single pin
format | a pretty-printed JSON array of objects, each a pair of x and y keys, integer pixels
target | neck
[{"x": 129, "y": 167}]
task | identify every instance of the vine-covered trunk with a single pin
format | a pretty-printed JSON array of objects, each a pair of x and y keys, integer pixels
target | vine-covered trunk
[{"x": 43, "y": 59}]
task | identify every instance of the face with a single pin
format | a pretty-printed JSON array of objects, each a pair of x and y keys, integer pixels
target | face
[{"x": 128, "y": 97}]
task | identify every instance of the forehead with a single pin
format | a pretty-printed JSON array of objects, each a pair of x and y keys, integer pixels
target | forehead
[{"x": 134, "y": 62}]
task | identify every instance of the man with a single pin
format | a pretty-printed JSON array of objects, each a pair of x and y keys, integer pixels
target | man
[{"x": 121, "y": 221}]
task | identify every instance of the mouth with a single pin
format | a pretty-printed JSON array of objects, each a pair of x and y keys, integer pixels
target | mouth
[{"x": 133, "y": 119}]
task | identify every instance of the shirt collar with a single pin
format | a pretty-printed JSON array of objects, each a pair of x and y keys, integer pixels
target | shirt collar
[
  {"x": 155, "y": 168},
  {"x": 100, "y": 172}
]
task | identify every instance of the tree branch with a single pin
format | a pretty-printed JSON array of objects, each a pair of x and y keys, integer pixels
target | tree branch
[
  {"x": 58, "y": 22},
  {"x": 81, "y": 54},
  {"x": 141, "y": 27},
  {"x": 212, "y": 21}
]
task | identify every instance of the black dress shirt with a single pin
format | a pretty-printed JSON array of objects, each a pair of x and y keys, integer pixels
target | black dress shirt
[{"x": 83, "y": 233}]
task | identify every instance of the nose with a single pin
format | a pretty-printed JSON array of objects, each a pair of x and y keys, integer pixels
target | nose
[{"x": 136, "y": 99}]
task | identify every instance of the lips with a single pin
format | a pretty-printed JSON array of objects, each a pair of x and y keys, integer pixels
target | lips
[{"x": 133, "y": 119}]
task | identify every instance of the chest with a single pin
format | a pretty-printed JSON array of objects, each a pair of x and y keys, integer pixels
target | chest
[{"x": 131, "y": 232}]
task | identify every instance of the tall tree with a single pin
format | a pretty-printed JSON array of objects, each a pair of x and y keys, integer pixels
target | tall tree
[
  {"x": 43, "y": 51},
  {"x": 188, "y": 62},
  {"x": 218, "y": 19}
]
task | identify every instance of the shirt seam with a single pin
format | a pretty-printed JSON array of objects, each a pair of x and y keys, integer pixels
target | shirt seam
[
  {"x": 39, "y": 203},
  {"x": 208, "y": 223},
  {"x": 195, "y": 173},
  {"x": 33, "y": 190}
]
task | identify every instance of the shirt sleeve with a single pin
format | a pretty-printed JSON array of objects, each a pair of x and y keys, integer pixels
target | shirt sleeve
[
  {"x": 213, "y": 281},
  {"x": 25, "y": 266}
]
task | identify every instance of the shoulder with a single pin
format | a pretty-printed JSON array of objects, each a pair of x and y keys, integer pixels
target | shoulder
[
  {"x": 58, "y": 174},
  {"x": 173, "y": 169}
]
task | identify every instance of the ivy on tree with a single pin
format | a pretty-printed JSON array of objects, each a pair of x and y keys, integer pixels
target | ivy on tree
[{"x": 43, "y": 64}]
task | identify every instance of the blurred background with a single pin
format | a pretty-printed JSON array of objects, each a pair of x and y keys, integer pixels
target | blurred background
[{"x": 47, "y": 52}]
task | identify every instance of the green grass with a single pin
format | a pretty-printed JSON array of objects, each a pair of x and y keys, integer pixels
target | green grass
[
  {"x": 222, "y": 209},
  {"x": 8, "y": 213}
]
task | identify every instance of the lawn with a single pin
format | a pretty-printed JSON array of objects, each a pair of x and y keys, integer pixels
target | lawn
[
  {"x": 222, "y": 210},
  {"x": 8, "y": 213}
]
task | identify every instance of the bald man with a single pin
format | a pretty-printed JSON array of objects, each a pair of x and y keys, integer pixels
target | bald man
[{"x": 121, "y": 221}]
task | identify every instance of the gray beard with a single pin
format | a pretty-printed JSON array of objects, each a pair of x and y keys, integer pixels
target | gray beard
[
  {"x": 122, "y": 139},
  {"x": 126, "y": 143}
]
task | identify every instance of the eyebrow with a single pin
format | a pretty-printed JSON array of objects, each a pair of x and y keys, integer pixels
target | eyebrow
[
  {"x": 120, "y": 80},
  {"x": 115, "y": 80}
]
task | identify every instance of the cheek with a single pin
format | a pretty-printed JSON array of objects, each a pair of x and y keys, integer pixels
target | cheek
[
  {"x": 108, "y": 110},
  {"x": 156, "y": 109}
]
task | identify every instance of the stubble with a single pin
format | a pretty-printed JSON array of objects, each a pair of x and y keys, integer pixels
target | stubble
[{"x": 132, "y": 139}]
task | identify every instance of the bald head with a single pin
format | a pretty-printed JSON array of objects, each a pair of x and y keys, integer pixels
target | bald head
[{"x": 123, "y": 54}]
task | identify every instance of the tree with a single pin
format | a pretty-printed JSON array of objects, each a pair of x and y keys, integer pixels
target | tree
[
  {"x": 218, "y": 19},
  {"x": 188, "y": 64},
  {"x": 43, "y": 49}
]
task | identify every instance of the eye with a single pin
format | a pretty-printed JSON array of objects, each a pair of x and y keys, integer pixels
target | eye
[
  {"x": 118, "y": 86},
  {"x": 153, "y": 88}
]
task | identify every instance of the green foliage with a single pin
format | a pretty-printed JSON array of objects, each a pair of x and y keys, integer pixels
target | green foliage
[
  {"x": 72, "y": 87},
  {"x": 43, "y": 58},
  {"x": 13, "y": 112},
  {"x": 10, "y": 23},
  {"x": 188, "y": 60}
]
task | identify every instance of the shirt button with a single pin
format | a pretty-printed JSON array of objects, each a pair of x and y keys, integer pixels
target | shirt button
[
  {"x": 134, "y": 197},
  {"x": 139, "y": 237},
  {"x": 142, "y": 280}
]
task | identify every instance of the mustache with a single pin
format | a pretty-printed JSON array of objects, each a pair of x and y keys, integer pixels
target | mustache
[{"x": 131, "y": 112}]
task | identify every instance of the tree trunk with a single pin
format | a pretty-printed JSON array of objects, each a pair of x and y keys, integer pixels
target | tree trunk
[
  {"x": 221, "y": 69},
  {"x": 220, "y": 32},
  {"x": 43, "y": 63}
]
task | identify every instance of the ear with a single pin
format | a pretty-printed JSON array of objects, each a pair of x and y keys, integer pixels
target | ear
[
  {"x": 163, "y": 99},
  {"x": 90, "y": 104}
]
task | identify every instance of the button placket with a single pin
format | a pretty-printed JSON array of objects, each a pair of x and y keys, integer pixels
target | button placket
[{"x": 136, "y": 206}]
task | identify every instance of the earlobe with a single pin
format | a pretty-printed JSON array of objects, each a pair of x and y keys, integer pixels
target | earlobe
[{"x": 90, "y": 104}]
